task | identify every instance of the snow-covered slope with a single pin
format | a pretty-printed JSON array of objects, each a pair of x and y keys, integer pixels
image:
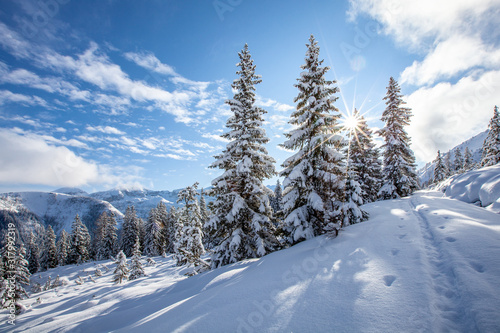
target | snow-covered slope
[
  {"x": 58, "y": 209},
  {"x": 425, "y": 263},
  {"x": 480, "y": 187},
  {"x": 475, "y": 145}
]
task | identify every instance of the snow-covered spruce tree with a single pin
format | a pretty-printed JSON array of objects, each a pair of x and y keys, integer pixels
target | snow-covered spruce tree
[
  {"x": 121, "y": 271},
  {"x": 80, "y": 241},
  {"x": 459, "y": 161},
  {"x": 365, "y": 160},
  {"x": 277, "y": 199},
  {"x": 169, "y": 230},
  {"x": 105, "y": 237},
  {"x": 97, "y": 249},
  {"x": 241, "y": 221},
  {"x": 400, "y": 177},
  {"x": 32, "y": 253},
  {"x": 162, "y": 216},
  {"x": 130, "y": 231},
  {"x": 448, "y": 165},
  {"x": 313, "y": 184},
  {"x": 189, "y": 247},
  {"x": 63, "y": 248},
  {"x": 17, "y": 273},
  {"x": 49, "y": 251},
  {"x": 136, "y": 269},
  {"x": 491, "y": 145},
  {"x": 203, "y": 208},
  {"x": 468, "y": 160},
  {"x": 439, "y": 169},
  {"x": 110, "y": 240},
  {"x": 153, "y": 244},
  {"x": 352, "y": 200}
]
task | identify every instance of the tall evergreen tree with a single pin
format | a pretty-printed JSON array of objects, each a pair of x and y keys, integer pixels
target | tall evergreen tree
[
  {"x": 153, "y": 245},
  {"x": 32, "y": 253},
  {"x": 80, "y": 241},
  {"x": 364, "y": 160},
  {"x": 163, "y": 220},
  {"x": 277, "y": 198},
  {"x": 169, "y": 230},
  {"x": 491, "y": 145},
  {"x": 448, "y": 165},
  {"x": 189, "y": 246},
  {"x": 136, "y": 269},
  {"x": 400, "y": 177},
  {"x": 130, "y": 231},
  {"x": 468, "y": 160},
  {"x": 49, "y": 253},
  {"x": 17, "y": 273},
  {"x": 241, "y": 220},
  {"x": 313, "y": 185},
  {"x": 109, "y": 242},
  {"x": 63, "y": 248},
  {"x": 97, "y": 249},
  {"x": 459, "y": 161},
  {"x": 439, "y": 169}
]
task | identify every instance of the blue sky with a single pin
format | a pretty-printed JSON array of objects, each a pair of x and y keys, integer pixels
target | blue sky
[{"x": 104, "y": 94}]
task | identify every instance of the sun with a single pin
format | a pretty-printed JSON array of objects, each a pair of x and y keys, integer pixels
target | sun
[{"x": 351, "y": 122}]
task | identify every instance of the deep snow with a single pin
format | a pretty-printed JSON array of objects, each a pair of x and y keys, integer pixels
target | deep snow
[
  {"x": 480, "y": 187},
  {"x": 423, "y": 263}
]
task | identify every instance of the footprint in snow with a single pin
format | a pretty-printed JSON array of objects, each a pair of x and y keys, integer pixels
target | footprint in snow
[
  {"x": 442, "y": 227},
  {"x": 477, "y": 267},
  {"x": 402, "y": 236},
  {"x": 450, "y": 239},
  {"x": 394, "y": 252},
  {"x": 389, "y": 280}
]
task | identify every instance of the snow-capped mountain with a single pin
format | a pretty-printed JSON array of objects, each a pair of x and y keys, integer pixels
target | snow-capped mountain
[
  {"x": 474, "y": 144},
  {"x": 55, "y": 209},
  {"x": 59, "y": 207},
  {"x": 142, "y": 199}
]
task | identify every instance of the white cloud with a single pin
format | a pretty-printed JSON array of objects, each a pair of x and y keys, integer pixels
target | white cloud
[
  {"x": 452, "y": 56},
  {"x": 7, "y": 96},
  {"x": 150, "y": 62},
  {"x": 457, "y": 41},
  {"x": 415, "y": 23},
  {"x": 104, "y": 129},
  {"x": 30, "y": 159},
  {"x": 215, "y": 137},
  {"x": 271, "y": 103},
  {"x": 448, "y": 114}
]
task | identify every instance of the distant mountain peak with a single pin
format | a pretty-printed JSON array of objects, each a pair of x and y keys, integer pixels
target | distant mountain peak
[{"x": 71, "y": 191}]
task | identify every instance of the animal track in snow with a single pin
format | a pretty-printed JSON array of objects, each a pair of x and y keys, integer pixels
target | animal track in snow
[
  {"x": 389, "y": 280},
  {"x": 450, "y": 239},
  {"x": 477, "y": 267}
]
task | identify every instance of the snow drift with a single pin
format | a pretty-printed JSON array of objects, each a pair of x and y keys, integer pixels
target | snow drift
[{"x": 481, "y": 187}]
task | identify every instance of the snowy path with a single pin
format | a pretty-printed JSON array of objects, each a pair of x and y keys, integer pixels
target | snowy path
[{"x": 421, "y": 264}]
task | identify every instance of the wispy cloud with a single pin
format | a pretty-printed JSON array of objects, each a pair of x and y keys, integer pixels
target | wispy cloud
[{"x": 104, "y": 129}]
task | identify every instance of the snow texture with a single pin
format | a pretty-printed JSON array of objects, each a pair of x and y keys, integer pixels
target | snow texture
[
  {"x": 423, "y": 263},
  {"x": 480, "y": 187}
]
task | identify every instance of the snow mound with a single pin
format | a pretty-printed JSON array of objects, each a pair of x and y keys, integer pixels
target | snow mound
[{"x": 481, "y": 187}]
